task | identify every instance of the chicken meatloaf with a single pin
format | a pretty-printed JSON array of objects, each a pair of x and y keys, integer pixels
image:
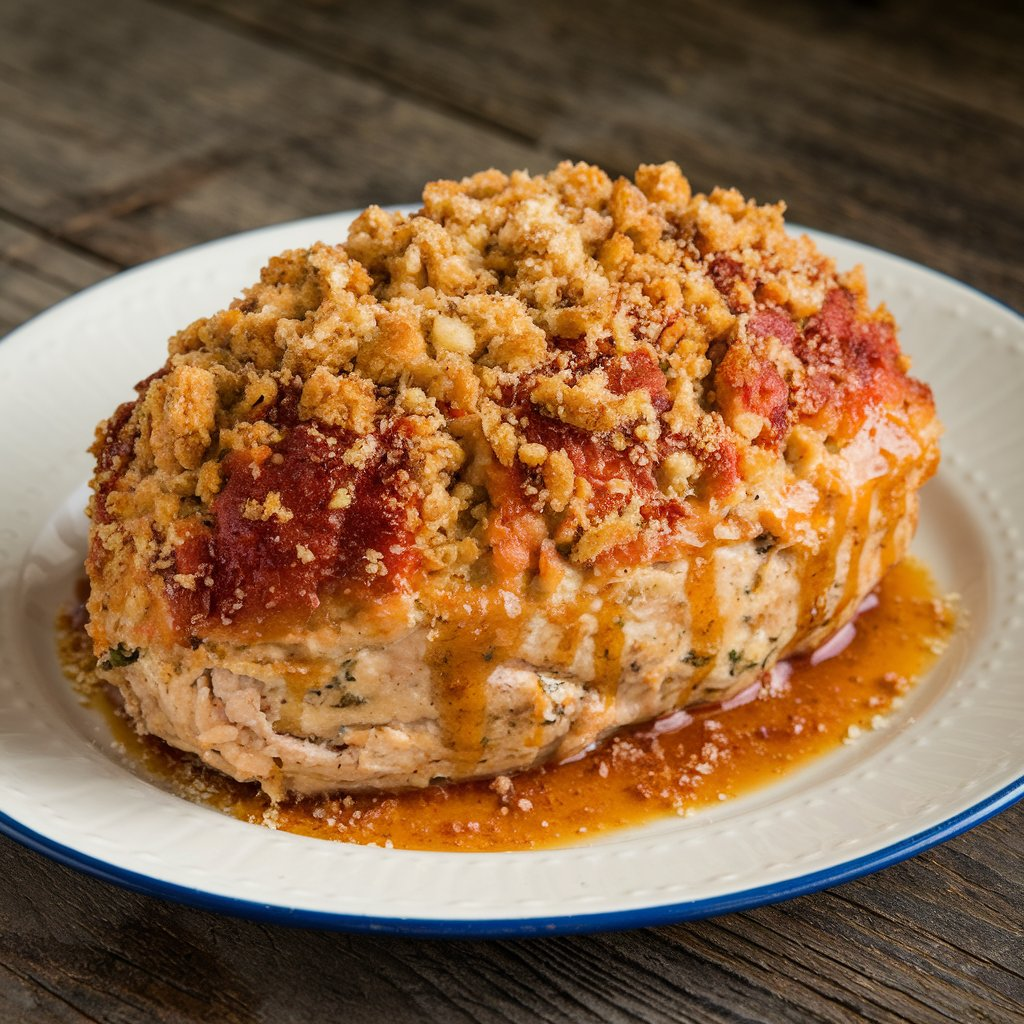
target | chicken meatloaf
[{"x": 487, "y": 482}]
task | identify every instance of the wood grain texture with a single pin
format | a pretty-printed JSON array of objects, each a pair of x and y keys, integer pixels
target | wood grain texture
[
  {"x": 147, "y": 130},
  {"x": 935, "y": 939},
  {"x": 36, "y": 271},
  {"x": 160, "y": 125},
  {"x": 897, "y": 124}
]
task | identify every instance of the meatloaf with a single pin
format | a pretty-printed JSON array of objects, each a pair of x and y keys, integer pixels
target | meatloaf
[{"x": 485, "y": 483}]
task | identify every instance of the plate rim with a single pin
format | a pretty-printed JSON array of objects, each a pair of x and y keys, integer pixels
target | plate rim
[{"x": 506, "y": 927}]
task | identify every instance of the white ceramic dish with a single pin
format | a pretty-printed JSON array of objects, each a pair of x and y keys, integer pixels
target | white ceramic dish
[{"x": 950, "y": 757}]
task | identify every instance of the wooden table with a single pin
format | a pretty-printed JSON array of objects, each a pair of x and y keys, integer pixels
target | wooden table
[{"x": 132, "y": 129}]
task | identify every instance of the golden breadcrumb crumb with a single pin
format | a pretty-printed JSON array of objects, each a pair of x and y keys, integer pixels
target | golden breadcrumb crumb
[{"x": 619, "y": 367}]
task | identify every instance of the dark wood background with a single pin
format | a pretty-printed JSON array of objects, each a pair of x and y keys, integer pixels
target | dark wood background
[{"x": 130, "y": 129}]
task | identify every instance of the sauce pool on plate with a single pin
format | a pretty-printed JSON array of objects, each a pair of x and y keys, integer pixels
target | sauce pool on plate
[{"x": 802, "y": 709}]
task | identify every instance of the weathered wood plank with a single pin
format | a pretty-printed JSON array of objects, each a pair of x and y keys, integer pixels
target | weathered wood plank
[
  {"x": 25, "y": 999},
  {"x": 866, "y": 951},
  {"x": 36, "y": 272},
  {"x": 145, "y": 130},
  {"x": 150, "y": 127},
  {"x": 884, "y": 124}
]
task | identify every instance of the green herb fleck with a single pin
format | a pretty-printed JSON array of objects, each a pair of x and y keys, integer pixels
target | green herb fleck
[
  {"x": 696, "y": 660},
  {"x": 119, "y": 656},
  {"x": 350, "y": 700},
  {"x": 735, "y": 659}
]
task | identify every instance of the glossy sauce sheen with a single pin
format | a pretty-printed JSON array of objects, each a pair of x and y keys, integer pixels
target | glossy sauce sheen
[{"x": 639, "y": 776}]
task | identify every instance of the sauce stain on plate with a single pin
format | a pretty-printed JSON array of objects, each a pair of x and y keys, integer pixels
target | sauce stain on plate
[{"x": 802, "y": 709}]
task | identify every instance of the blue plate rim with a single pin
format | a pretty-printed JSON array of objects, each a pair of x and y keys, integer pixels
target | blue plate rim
[{"x": 506, "y": 928}]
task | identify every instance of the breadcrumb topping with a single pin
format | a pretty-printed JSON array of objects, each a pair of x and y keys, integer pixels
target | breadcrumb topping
[{"x": 620, "y": 368}]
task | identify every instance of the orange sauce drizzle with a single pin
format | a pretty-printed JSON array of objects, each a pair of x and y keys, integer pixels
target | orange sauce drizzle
[
  {"x": 828, "y": 521},
  {"x": 636, "y": 777},
  {"x": 609, "y": 642},
  {"x": 705, "y": 617},
  {"x": 857, "y": 528}
]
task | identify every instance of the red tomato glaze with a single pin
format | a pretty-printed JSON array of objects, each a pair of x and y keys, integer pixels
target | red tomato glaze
[{"x": 276, "y": 546}]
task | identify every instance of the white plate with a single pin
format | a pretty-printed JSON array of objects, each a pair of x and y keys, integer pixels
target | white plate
[{"x": 948, "y": 759}]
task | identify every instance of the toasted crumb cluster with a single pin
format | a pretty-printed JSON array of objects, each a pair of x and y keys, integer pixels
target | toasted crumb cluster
[{"x": 555, "y": 367}]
